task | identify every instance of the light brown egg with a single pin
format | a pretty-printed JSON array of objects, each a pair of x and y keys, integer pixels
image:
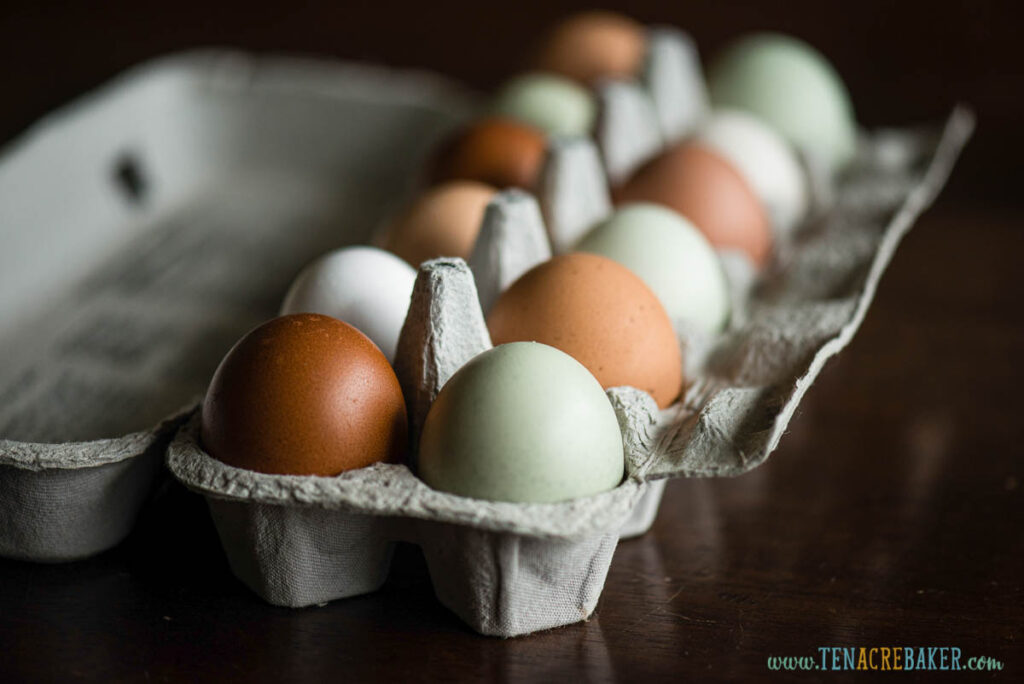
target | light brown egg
[
  {"x": 593, "y": 45},
  {"x": 705, "y": 188},
  {"x": 443, "y": 221},
  {"x": 496, "y": 151},
  {"x": 598, "y": 312},
  {"x": 304, "y": 394}
]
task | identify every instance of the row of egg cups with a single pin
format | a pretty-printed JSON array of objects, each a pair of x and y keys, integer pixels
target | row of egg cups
[{"x": 300, "y": 540}]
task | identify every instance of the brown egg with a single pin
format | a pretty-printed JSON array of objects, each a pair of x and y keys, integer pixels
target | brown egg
[
  {"x": 590, "y": 46},
  {"x": 304, "y": 395},
  {"x": 600, "y": 313},
  {"x": 500, "y": 152},
  {"x": 705, "y": 188},
  {"x": 443, "y": 221}
]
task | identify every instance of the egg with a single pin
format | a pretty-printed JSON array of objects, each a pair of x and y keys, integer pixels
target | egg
[
  {"x": 443, "y": 221},
  {"x": 672, "y": 257},
  {"x": 701, "y": 185},
  {"x": 792, "y": 87},
  {"x": 766, "y": 161},
  {"x": 500, "y": 152},
  {"x": 550, "y": 103},
  {"x": 366, "y": 287},
  {"x": 304, "y": 394},
  {"x": 522, "y": 422},
  {"x": 595, "y": 45},
  {"x": 600, "y": 313}
]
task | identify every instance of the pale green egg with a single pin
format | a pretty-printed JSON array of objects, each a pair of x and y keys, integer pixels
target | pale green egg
[
  {"x": 551, "y": 103},
  {"x": 793, "y": 88},
  {"x": 522, "y": 422},
  {"x": 672, "y": 257}
]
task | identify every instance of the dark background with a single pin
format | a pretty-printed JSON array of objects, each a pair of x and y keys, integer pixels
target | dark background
[{"x": 891, "y": 514}]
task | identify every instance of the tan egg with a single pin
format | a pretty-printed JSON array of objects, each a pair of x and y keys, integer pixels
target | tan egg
[
  {"x": 600, "y": 313},
  {"x": 304, "y": 394},
  {"x": 590, "y": 46},
  {"x": 705, "y": 188},
  {"x": 497, "y": 151},
  {"x": 443, "y": 221}
]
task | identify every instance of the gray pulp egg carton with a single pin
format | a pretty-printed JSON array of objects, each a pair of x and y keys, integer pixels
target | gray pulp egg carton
[
  {"x": 193, "y": 189},
  {"x": 508, "y": 568}
]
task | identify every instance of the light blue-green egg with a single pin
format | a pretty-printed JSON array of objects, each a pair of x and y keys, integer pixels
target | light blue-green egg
[
  {"x": 553, "y": 104},
  {"x": 792, "y": 87},
  {"x": 672, "y": 257},
  {"x": 522, "y": 422}
]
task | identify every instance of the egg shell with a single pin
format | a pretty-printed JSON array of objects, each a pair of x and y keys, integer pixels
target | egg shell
[
  {"x": 600, "y": 313},
  {"x": 767, "y": 162},
  {"x": 701, "y": 185},
  {"x": 366, "y": 287},
  {"x": 443, "y": 221},
  {"x": 595, "y": 45},
  {"x": 672, "y": 257},
  {"x": 548, "y": 102},
  {"x": 304, "y": 394},
  {"x": 522, "y": 422},
  {"x": 500, "y": 152},
  {"x": 792, "y": 87}
]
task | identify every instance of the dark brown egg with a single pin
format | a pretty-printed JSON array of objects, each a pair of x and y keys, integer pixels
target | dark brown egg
[
  {"x": 594, "y": 45},
  {"x": 304, "y": 394},
  {"x": 600, "y": 313},
  {"x": 496, "y": 151},
  {"x": 708, "y": 190}
]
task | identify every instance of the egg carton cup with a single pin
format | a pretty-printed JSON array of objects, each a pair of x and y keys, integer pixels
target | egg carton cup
[
  {"x": 191, "y": 191},
  {"x": 70, "y": 501},
  {"x": 504, "y": 568}
]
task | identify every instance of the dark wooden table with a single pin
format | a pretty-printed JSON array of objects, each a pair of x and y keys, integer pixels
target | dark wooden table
[{"x": 892, "y": 513}]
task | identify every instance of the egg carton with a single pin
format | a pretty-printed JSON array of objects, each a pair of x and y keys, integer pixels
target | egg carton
[
  {"x": 201, "y": 184},
  {"x": 511, "y": 568}
]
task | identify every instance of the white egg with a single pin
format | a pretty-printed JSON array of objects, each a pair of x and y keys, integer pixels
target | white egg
[
  {"x": 366, "y": 287},
  {"x": 765, "y": 160}
]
